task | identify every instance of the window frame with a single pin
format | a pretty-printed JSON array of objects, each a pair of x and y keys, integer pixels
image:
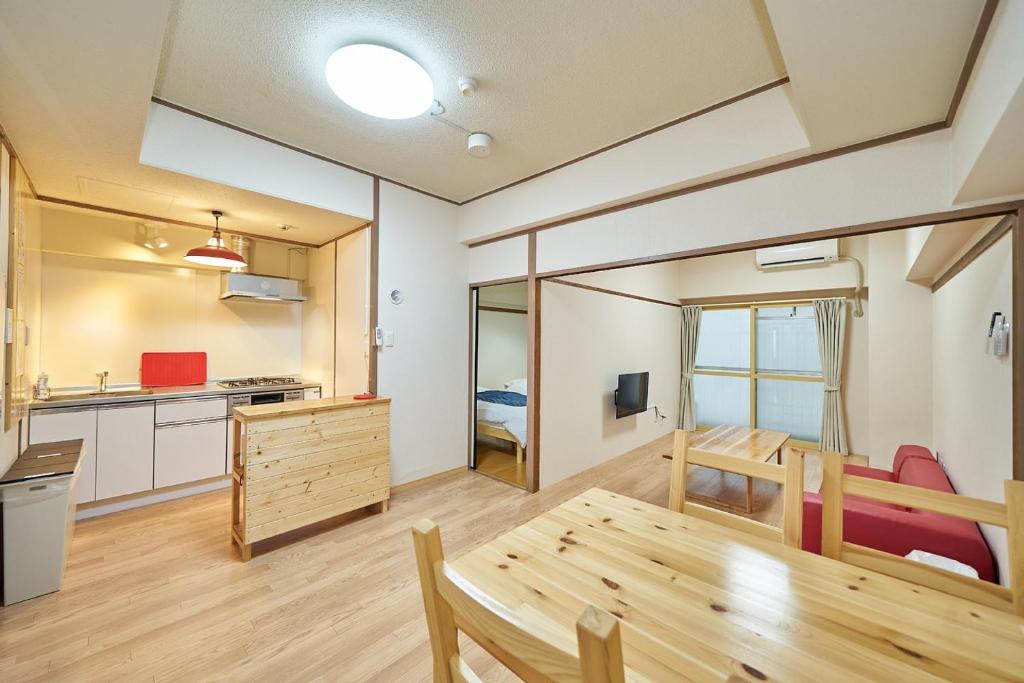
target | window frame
[{"x": 751, "y": 373}]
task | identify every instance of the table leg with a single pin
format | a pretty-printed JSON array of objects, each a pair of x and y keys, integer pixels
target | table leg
[{"x": 750, "y": 495}]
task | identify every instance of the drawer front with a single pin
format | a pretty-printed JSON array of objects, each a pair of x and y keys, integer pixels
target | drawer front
[
  {"x": 180, "y": 410},
  {"x": 184, "y": 453}
]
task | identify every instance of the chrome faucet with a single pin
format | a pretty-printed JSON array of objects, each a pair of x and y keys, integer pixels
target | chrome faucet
[{"x": 102, "y": 377}]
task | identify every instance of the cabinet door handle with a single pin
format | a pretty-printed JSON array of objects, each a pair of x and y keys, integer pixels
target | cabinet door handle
[{"x": 189, "y": 423}]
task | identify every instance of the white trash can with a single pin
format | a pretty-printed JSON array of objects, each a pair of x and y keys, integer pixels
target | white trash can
[{"x": 39, "y": 520}]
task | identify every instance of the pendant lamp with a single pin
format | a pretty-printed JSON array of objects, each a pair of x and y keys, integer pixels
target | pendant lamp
[{"x": 214, "y": 253}]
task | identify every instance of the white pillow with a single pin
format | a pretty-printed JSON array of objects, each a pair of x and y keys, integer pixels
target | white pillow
[{"x": 517, "y": 386}]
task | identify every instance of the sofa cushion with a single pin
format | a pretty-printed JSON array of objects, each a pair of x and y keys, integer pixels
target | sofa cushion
[
  {"x": 908, "y": 452},
  {"x": 871, "y": 473},
  {"x": 925, "y": 474}
]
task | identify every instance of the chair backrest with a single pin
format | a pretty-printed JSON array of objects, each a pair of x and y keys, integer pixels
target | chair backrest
[
  {"x": 836, "y": 484},
  {"x": 790, "y": 474},
  {"x": 452, "y": 604}
]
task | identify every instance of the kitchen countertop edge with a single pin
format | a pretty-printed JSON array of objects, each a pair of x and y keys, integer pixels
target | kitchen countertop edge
[{"x": 163, "y": 394}]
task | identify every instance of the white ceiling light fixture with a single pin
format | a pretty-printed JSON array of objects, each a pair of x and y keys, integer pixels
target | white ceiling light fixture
[{"x": 379, "y": 81}]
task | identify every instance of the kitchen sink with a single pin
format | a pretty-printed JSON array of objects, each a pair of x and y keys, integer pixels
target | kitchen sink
[{"x": 125, "y": 392}]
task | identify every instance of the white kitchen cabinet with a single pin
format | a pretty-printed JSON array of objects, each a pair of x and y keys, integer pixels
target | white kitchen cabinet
[
  {"x": 311, "y": 393},
  {"x": 124, "y": 450},
  {"x": 64, "y": 424},
  {"x": 189, "y": 452},
  {"x": 184, "y": 409}
]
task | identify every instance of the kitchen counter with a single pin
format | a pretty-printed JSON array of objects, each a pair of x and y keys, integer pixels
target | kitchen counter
[
  {"x": 299, "y": 463},
  {"x": 68, "y": 400},
  {"x": 316, "y": 405}
]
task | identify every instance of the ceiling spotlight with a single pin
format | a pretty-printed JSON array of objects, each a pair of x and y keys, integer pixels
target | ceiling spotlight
[
  {"x": 379, "y": 81},
  {"x": 479, "y": 145},
  {"x": 153, "y": 239}
]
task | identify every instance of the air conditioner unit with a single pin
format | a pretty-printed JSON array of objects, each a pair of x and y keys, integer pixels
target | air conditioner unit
[{"x": 805, "y": 253}]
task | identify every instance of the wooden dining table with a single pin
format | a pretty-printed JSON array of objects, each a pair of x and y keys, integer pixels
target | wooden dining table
[{"x": 698, "y": 601}]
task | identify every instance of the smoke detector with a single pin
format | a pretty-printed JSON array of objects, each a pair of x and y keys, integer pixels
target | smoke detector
[
  {"x": 479, "y": 145},
  {"x": 467, "y": 86}
]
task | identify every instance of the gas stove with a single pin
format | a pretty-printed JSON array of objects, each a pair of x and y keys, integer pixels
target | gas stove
[{"x": 258, "y": 382}]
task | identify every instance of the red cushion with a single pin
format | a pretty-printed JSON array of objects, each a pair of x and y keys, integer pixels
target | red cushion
[
  {"x": 907, "y": 452},
  {"x": 900, "y": 531},
  {"x": 871, "y": 473},
  {"x": 926, "y": 474}
]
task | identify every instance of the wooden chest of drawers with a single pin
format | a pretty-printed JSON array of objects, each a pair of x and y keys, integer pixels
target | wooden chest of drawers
[{"x": 302, "y": 462}]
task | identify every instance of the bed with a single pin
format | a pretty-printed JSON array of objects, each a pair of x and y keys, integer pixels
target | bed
[{"x": 502, "y": 415}]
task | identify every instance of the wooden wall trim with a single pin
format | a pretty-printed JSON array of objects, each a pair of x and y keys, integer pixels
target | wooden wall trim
[
  {"x": 533, "y": 336},
  {"x": 668, "y": 124},
  {"x": 500, "y": 281},
  {"x": 717, "y": 182},
  {"x": 502, "y": 309},
  {"x": 984, "y": 21},
  {"x": 1017, "y": 345},
  {"x": 769, "y": 297},
  {"x": 952, "y": 216},
  {"x": 293, "y": 148},
  {"x": 364, "y": 226},
  {"x": 979, "y": 248},
  {"x": 602, "y": 290},
  {"x": 172, "y": 221},
  {"x": 374, "y": 294}
]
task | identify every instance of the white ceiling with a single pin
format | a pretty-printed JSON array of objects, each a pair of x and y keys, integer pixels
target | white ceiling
[
  {"x": 76, "y": 79},
  {"x": 863, "y": 69},
  {"x": 557, "y": 79}
]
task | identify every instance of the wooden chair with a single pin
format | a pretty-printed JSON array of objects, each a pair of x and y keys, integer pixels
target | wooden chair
[
  {"x": 453, "y": 604},
  {"x": 790, "y": 475},
  {"x": 836, "y": 484}
]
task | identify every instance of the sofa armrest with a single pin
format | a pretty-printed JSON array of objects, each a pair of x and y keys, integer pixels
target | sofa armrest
[{"x": 899, "y": 531}]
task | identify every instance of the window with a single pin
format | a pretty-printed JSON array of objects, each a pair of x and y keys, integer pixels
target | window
[{"x": 758, "y": 365}]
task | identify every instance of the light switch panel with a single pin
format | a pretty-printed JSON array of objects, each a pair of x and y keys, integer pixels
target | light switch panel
[{"x": 389, "y": 338}]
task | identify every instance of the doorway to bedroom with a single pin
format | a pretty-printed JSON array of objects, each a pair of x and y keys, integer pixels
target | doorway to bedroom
[{"x": 500, "y": 354}]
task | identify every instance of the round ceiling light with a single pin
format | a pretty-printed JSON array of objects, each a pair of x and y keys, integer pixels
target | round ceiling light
[{"x": 379, "y": 81}]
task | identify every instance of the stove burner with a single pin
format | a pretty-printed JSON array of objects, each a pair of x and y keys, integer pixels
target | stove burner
[{"x": 258, "y": 382}]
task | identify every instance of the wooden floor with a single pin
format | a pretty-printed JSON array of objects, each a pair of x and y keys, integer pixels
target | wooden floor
[
  {"x": 500, "y": 463},
  {"x": 158, "y": 593}
]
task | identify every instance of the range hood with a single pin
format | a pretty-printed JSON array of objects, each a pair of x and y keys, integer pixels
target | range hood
[{"x": 260, "y": 288}]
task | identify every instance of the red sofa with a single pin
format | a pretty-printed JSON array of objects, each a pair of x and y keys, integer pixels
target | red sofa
[{"x": 898, "y": 530}]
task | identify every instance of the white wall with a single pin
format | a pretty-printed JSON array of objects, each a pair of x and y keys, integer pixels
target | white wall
[
  {"x": 986, "y": 150},
  {"x": 9, "y": 439},
  {"x": 187, "y": 144},
  {"x": 737, "y": 274},
  {"x": 426, "y": 372},
  {"x": 684, "y": 154},
  {"x": 972, "y": 415},
  {"x": 352, "y": 324},
  {"x": 905, "y": 178},
  {"x": 899, "y": 352},
  {"x": 501, "y": 348},
  {"x": 102, "y": 315},
  {"x": 318, "y": 319},
  {"x": 588, "y": 339}
]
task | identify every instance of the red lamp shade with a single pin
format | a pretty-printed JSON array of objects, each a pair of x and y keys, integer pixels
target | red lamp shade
[{"x": 214, "y": 253}]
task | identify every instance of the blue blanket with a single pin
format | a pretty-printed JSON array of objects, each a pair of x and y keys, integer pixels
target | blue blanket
[{"x": 505, "y": 398}]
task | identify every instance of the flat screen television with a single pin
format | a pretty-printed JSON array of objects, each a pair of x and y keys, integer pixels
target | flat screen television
[{"x": 631, "y": 396}]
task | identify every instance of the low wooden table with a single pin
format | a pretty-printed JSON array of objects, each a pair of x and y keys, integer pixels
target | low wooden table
[
  {"x": 699, "y": 601},
  {"x": 740, "y": 442}
]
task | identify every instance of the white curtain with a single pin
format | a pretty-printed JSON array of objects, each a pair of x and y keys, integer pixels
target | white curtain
[
  {"x": 830, "y": 315},
  {"x": 690, "y": 329}
]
